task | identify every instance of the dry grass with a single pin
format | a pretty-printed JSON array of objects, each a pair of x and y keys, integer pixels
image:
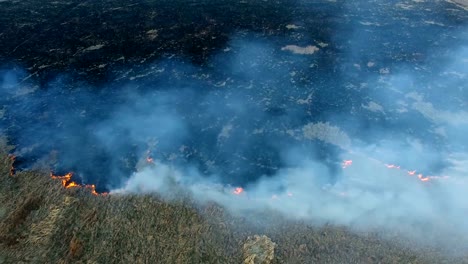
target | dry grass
[{"x": 41, "y": 222}]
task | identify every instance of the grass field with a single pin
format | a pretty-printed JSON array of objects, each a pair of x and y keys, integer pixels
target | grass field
[{"x": 42, "y": 222}]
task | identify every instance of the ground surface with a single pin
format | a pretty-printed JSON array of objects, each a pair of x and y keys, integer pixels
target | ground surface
[
  {"x": 229, "y": 89},
  {"x": 367, "y": 68},
  {"x": 41, "y": 222}
]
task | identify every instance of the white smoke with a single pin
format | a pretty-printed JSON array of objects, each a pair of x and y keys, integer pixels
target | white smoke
[
  {"x": 369, "y": 194},
  {"x": 251, "y": 106}
]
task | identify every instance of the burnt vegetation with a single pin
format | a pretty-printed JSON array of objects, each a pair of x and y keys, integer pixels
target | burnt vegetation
[{"x": 43, "y": 222}]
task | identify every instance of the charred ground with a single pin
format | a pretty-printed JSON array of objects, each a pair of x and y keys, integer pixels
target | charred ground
[
  {"x": 71, "y": 65},
  {"x": 69, "y": 69}
]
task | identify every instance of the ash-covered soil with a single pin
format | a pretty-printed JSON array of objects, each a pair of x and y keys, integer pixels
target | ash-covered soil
[{"x": 241, "y": 91}]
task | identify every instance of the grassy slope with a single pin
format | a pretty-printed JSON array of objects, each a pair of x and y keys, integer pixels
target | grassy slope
[{"x": 41, "y": 222}]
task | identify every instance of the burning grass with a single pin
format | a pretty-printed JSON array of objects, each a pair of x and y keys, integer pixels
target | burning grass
[
  {"x": 43, "y": 222},
  {"x": 68, "y": 183}
]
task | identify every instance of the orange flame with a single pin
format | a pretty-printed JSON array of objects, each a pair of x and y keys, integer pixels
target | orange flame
[
  {"x": 238, "y": 190},
  {"x": 392, "y": 166},
  {"x": 68, "y": 183},
  {"x": 92, "y": 187},
  {"x": 346, "y": 164},
  {"x": 71, "y": 185},
  {"x": 65, "y": 178},
  {"x": 422, "y": 178},
  {"x": 149, "y": 159}
]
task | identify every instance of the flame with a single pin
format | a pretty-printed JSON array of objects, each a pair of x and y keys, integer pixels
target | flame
[
  {"x": 65, "y": 178},
  {"x": 392, "y": 166},
  {"x": 420, "y": 176},
  {"x": 71, "y": 185},
  {"x": 68, "y": 183},
  {"x": 149, "y": 159},
  {"x": 92, "y": 188},
  {"x": 346, "y": 163},
  {"x": 238, "y": 190}
]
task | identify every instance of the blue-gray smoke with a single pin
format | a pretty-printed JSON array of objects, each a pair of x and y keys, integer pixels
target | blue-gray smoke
[{"x": 276, "y": 115}]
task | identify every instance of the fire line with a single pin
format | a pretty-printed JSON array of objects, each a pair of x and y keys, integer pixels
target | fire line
[{"x": 68, "y": 183}]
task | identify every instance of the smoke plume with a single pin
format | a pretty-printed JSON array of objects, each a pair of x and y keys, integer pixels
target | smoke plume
[{"x": 366, "y": 127}]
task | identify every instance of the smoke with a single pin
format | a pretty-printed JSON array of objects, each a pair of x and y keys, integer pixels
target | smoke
[{"x": 276, "y": 116}]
